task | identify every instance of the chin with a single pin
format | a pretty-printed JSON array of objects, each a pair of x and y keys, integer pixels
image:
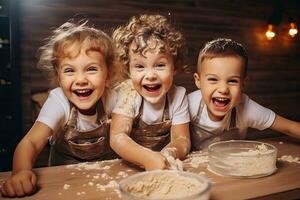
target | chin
[{"x": 154, "y": 100}]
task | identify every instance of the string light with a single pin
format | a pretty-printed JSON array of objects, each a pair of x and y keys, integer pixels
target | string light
[
  {"x": 279, "y": 16},
  {"x": 270, "y": 34},
  {"x": 293, "y": 29}
]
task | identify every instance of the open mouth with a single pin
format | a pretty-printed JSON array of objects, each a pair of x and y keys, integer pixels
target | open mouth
[
  {"x": 152, "y": 88},
  {"x": 220, "y": 102},
  {"x": 83, "y": 93}
]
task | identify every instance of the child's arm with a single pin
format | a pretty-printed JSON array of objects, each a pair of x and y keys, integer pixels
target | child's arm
[
  {"x": 286, "y": 126},
  {"x": 180, "y": 143},
  {"x": 129, "y": 150},
  {"x": 23, "y": 180}
]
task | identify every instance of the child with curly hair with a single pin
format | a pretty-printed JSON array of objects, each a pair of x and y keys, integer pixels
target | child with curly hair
[
  {"x": 152, "y": 118},
  {"x": 76, "y": 114},
  {"x": 219, "y": 110}
]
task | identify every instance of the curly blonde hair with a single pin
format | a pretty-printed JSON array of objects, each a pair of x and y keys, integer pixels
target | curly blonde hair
[
  {"x": 79, "y": 33},
  {"x": 141, "y": 30}
]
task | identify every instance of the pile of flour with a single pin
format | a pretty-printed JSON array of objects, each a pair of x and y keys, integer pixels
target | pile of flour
[{"x": 164, "y": 186}]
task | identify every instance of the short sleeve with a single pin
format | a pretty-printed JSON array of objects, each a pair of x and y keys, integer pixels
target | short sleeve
[
  {"x": 55, "y": 110},
  {"x": 179, "y": 105},
  {"x": 194, "y": 100},
  {"x": 255, "y": 115},
  {"x": 128, "y": 100}
]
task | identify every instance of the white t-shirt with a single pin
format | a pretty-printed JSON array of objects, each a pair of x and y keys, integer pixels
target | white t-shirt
[
  {"x": 56, "y": 110},
  {"x": 129, "y": 102},
  {"x": 248, "y": 114}
]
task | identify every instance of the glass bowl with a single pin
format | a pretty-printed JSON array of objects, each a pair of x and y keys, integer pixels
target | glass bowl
[
  {"x": 165, "y": 185},
  {"x": 242, "y": 158}
]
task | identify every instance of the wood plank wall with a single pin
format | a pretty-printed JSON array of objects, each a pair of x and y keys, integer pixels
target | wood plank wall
[{"x": 274, "y": 66}]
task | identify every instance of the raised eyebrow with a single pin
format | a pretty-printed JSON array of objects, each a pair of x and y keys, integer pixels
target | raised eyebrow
[
  {"x": 66, "y": 65},
  {"x": 213, "y": 75},
  {"x": 235, "y": 77},
  {"x": 93, "y": 64}
]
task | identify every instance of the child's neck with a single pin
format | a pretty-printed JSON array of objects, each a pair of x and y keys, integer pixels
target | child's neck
[
  {"x": 215, "y": 118},
  {"x": 157, "y": 105},
  {"x": 90, "y": 112}
]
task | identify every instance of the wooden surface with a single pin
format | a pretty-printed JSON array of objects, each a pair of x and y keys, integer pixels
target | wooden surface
[{"x": 96, "y": 180}]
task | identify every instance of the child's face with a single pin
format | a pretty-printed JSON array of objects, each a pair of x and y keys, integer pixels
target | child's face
[
  {"x": 83, "y": 79},
  {"x": 152, "y": 73},
  {"x": 220, "y": 80}
]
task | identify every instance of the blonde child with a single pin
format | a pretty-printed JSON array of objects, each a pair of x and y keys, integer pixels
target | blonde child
[
  {"x": 75, "y": 115},
  {"x": 152, "y": 118},
  {"x": 219, "y": 110}
]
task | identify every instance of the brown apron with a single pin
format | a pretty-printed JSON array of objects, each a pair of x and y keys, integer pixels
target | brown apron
[
  {"x": 202, "y": 138},
  {"x": 153, "y": 136},
  {"x": 70, "y": 145}
]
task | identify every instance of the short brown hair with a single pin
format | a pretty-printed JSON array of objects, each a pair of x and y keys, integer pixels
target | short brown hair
[{"x": 223, "y": 47}]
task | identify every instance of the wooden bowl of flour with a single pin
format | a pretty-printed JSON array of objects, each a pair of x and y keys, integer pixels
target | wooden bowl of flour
[{"x": 165, "y": 185}]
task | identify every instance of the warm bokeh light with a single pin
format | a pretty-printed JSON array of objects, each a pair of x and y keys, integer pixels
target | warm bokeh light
[
  {"x": 270, "y": 34},
  {"x": 293, "y": 30}
]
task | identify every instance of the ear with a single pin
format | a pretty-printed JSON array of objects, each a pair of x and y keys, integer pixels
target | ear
[
  {"x": 107, "y": 80},
  {"x": 175, "y": 70},
  {"x": 56, "y": 76},
  {"x": 244, "y": 81},
  {"x": 197, "y": 80}
]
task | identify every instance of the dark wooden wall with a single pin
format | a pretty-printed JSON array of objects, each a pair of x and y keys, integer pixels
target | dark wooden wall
[{"x": 274, "y": 66}]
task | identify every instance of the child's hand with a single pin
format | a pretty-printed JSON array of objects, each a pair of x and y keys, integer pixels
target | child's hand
[
  {"x": 157, "y": 161},
  {"x": 20, "y": 184},
  {"x": 173, "y": 163}
]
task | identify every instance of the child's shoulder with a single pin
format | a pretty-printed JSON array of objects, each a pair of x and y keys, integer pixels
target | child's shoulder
[
  {"x": 176, "y": 93},
  {"x": 57, "y": 93},
  {"x": 177, "y": 90},
  {"x": 125, "y": 87},
  {"x": 195, "y": 96}
]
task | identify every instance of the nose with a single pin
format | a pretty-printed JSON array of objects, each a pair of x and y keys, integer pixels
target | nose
[
  {"x": 223, "y": 88},
  {"x": 81, "y": 79},
  {"x": 150, "y": 74}
]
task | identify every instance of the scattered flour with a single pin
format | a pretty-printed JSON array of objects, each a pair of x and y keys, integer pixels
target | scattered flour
[
  {"x": 88, "y": 169},
  {"x": 197, "y": 159},
  {"x": 90, "y": 183},
  {"x": 101, "y": 165},
  {"x": 80, "y": 193},
  {"x": 289, "y": 158},
  {"x": 164, "y": 186},
  {"x": 122, "y": 174},
  {"x": 66, "y": 186}
]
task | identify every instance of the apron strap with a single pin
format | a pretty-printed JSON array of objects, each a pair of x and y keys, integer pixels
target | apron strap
[{"x": 233, "y": 119}]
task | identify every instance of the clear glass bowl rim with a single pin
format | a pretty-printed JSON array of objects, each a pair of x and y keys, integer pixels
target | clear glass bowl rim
[{"x": 213, "y": 151}]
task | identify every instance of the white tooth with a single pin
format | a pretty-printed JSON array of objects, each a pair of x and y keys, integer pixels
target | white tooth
[{"x": 82, "y": 91}]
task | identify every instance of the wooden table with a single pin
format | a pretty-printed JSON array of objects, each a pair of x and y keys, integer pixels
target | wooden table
[{"x": 98, "y": 180}]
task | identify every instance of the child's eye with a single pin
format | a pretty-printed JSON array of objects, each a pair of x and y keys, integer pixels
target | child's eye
[
  {"x": 233, "y": 81},
  {"x": 139, "y": 67},
  {"x": 212, "y": 79},
  {"x": 68, "y": 70},
  {"x": 92, "y": 68},
  {"x": 160, "y": 65}
]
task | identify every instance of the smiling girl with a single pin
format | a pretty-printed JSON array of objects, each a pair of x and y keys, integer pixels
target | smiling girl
[
  {"x": 151, "y": 120},
  {"x": 75, "y": 115}
]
